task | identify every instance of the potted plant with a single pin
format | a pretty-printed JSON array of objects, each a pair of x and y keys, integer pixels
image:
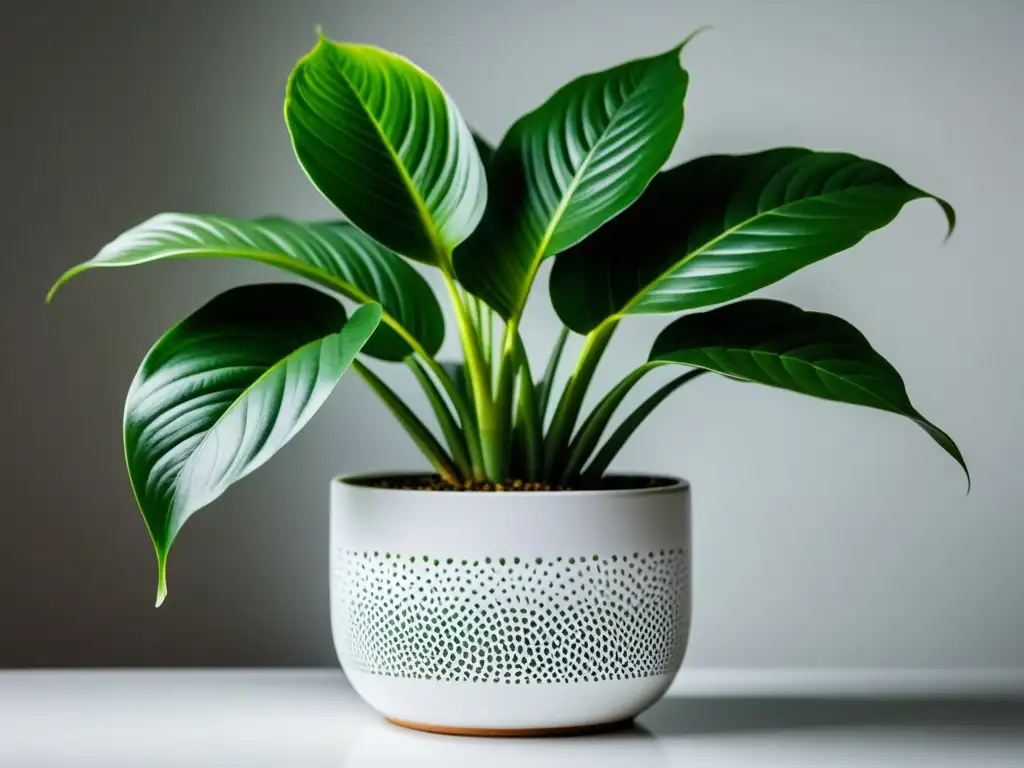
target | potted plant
[{"x": 519, "y": 587}]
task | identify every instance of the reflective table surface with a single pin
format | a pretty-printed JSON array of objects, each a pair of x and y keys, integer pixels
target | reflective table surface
[{"x": 300, "y": 718}]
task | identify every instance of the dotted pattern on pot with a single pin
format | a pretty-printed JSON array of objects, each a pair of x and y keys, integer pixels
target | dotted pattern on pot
[{"x": 516, "y": 620}]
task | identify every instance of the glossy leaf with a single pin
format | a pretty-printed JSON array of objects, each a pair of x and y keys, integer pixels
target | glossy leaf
[
  {"x": 335, "y": 255},
  {"x": 812, "y": 353},
  {"x": 225, "y": 389},
  {"x": 568, "y": 167},
  {"x": 384, "y": 143},
  {"x": 719, "y": 227}
]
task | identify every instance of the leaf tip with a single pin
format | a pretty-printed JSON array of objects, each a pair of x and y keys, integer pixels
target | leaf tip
[
  {"x": 60, "y": 282},
  {"x": 950, "y": 213},
  {"x": 689, "y": 37}
]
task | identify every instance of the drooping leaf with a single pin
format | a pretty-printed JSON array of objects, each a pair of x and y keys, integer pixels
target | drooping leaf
[
  {"x": 774, "y": 343},
  {"x": 384, "y": 143},
  {"x": 566, "y": 168},
  {"x": 719, "y": 227},
  {"x": 335, "y": 255},
  {"x": 225, "y": 389}
]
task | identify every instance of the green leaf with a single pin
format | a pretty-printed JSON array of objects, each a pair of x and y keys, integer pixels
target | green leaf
[
  {"x": 335, "y": 255},
  {"x": 384, "y": 143},
  {"x": 774, "y": 343},
  {"x": 568, "y": 167},
  {"x": 225, "y": 389},
  {"x": 719, "y": 227}
]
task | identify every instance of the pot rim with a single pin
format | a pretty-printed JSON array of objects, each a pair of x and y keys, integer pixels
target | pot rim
[{"x": 673, "y": 484}]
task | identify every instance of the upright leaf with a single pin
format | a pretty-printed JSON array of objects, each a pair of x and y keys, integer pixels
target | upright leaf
[
  {"x": 568, "y": 167},
  {"x": 774, "y": 343},
  {"x": 384, "y": 143},
  {"x": 335, "y": 255},
  {"x": 719, "y": 227},
  {"x": 225, "y": 389}
]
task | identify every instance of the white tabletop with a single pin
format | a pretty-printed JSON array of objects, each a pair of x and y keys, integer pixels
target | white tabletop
[{"x": 300, "y": 718}]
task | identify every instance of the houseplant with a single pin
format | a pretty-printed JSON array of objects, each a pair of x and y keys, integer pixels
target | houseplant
[{"x": 555, "y": 595}]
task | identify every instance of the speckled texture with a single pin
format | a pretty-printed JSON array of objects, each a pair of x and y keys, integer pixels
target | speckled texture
[{"x": 514, "y": 619}]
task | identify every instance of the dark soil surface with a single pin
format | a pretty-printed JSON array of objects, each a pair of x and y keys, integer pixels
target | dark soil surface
[{"x": 435, "y": 483}]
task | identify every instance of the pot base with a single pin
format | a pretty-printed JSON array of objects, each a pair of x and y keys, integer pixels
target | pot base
[{"x": 565, "y": 730}]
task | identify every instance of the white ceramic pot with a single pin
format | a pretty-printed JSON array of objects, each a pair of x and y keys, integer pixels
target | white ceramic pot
[{"x": 474, "y": 612}]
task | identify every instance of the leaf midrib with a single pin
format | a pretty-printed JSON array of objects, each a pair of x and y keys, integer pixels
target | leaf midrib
[
  {"x": 426, "y": 220},
  {"x": 538, "y": 255},
  {"x": 241, "y": 396},
  {"x": 728, "y": 233}
]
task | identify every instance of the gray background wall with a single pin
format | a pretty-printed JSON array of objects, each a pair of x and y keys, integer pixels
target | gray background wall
[{"x": 825, "y": 535}]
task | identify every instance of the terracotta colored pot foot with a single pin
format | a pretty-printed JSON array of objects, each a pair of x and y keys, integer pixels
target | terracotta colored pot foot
[{"x": 568, "y": 730}]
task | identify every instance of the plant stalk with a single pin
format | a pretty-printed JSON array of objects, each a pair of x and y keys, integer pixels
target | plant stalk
[
  {"x": 547, "y": 382},
  {"x": 589, "y": 434},
  {"x": 453, "y": 435},
  {"x": 528, "y": 415},
  {"x": 417, "y": 430},
  {"x": 492, "y": 439},
  {"x": 571, "y": 401},
  {"x": 626, "y": 429}
]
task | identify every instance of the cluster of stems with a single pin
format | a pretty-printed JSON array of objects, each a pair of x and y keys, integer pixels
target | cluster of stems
[{"x": 493, "y": 414}]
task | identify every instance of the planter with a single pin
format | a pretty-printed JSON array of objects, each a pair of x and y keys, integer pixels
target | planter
[{"x": 510, "y": 613}]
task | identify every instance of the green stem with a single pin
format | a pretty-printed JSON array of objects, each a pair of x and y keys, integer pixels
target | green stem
[
  {"x": 488, "y": 331},
  {"x": 507, "y": 368},
  {"x": 547, "y": 382},
  {"x": 571, "y": 401},
  {"x": 528, "y": 415},
  {"x": 626, "y": 429},
  {"x": 417, "y": 430},
  {"x": 479, "y": 375},
  {"x": 453, "y": 436},
  {"x": 589, "y": 434}
]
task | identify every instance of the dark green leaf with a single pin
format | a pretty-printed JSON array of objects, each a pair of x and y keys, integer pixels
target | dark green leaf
[
  {"x": 774, "y": 343},
  {"x": 384, "y": 143},
  {"x": 719, "y": 227},
  {"x": 565, "y": 169},
  {"x": 225, "y": 389},
  {"x": 335, "y": 255}
]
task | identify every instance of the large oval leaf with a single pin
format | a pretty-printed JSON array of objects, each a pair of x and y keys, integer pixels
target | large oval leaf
[
  {"x": 384, "y": 143},
  {"x": 225, "y": 389},
  {"x": 719, "y": 227},
  {"x": 568, "y": 167},
  {"x": 335, "y": 255},
  {"x": 774, "y": 343}
]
